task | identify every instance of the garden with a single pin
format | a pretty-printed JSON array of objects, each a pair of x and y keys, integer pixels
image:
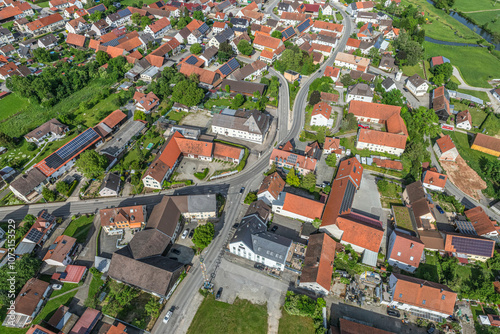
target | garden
[
  {"x": 390, "y": 192},
  {"x": 80, "y": 227},
  {"x": 402, "y": 217}
]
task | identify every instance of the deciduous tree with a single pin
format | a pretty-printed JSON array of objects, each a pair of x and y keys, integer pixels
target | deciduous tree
[
  {"x": 203, "y": 235},
  {"x": 91, "y": 164}
]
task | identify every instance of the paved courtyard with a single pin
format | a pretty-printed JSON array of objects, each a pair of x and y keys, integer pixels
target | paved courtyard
[{"x": 187, "y": 167}]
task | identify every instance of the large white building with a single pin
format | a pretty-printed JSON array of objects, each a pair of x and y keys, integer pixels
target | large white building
[
  {"x": 321, "y": 115},
  {"x": 248, "y": 125},
  {"x": 297, "y": 207},
  {"x": 416, "y": 85},
  {"x": 359, "y": 92}
]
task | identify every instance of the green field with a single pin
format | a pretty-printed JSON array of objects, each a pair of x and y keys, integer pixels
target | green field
[
  {"x": 66, "y": 287},
  {"x": 402, "y": 217},
  {"x": 295, "y": 324},
  {"x": 491, "y": 18},
  {"x": 10, "y": 105},
  {"x": 131, "y": 2},
  {"x": 44, "y": 4},
  {"x": 214, "y": 317},
  {"x": 475, "y": 73},
  {"x": 415, "y": 69},
  {"x": 79, "y": 228},
  {"x": 468, "y": 5},
  {"x": 443, "y": 27}
]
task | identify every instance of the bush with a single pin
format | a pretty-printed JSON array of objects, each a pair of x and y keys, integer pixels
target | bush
[{"x": 250, "y": 197}]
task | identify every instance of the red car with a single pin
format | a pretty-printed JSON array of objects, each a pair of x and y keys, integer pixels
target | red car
[{"x": 363, "y": 126}]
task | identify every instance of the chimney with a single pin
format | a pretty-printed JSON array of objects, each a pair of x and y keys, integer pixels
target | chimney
[{"x": 421, "y": 285}]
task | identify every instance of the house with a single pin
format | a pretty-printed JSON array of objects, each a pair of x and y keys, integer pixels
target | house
[
  {"x": 441, "y": 103},
  {"x": 321, "y": 26},
  {"x": 297, "y": 207},
  {"x": 393, "y": 141},
  {"x": 416, "y": 85},
  {"x": 219, "y": 27},
  {"x": 28, "y": 303},
  {"x": 46, "y": 24},
  {"x": 366, "y": 17},
  {"x": 496, "y": 93},
  {"x": 220, "y": 16},
  {"x": 10, "y": 69},
  {"x": 486, "y": 144},
  {"x": 47, "y": 42},
  {"x": 305, "y": 26},
  {"x": 482, "y": 224},
  {"x": 37, "y": 234},
  {"x": 359, "y": 92},
  {"x": 224, "y": 36},
  {"x": 431, "y": 300},
  {"x": 47, "y": 132},
  {"x": 100, "y": 27},
  {"x": 146, "y": 102},
  {"x": 6, "y": 37},
  {"x": 61, "y": 251},
  {"x": 405, "y": 251},
  {"x": 119, "y": 18},
  {"x": 87, "y": 321},
  {"x": 208, "y": 79},
  {"x": 388, "y": 84},
  {"x": 387, "y": 63},
  {"x": 208, "y": 56},
  {"x": 252, "y": 241},
  {"x": 318, "y": 264},
  {"x": 75, "y": 40},
  {"x": 434, "y": 181},
  {"x": 445, "y": 149},
  {"x": 110, "y": 185},
  {"x": 356, "y": 7},
  {"x": 433, "y": 240},
  {"x": 287, "y": 159},
  {"x": 361, "y": 45},
  {"x": 159, "y": 28},
  {"x": 77, "y": 26},
  {"x": 70, "y": 274},
  {"x": 270, "y": 189},
  {"x": 439, "y": 60},
  {"x": 262, "y": 42},
  {"x": 321, "y": 115},
  {"x": 415, "y": 197},
  {"x": 469, "y": 247},
  {"x": 332, "y": 145},
  {"x": 37, "y": 329},
  {"x": 345, "y": 60},
  {"x": 352, "y": 327},
  {"x": 291, "y": 76},
  {"x": 463, "y": 120},
  {"x": 250, "y": 71},
  {"x": 332, "y": 72},
  {"x": 193, "y": 32},
  {"x": 248, "y": 125},
  {"x": 28, "y": 186},
  {"x": 115, "y": 220}
]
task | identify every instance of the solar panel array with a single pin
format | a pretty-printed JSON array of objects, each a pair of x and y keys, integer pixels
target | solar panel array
[
  {"x": 191, "y": 60},
  {"x": 304, "y": 25},
  {"x": 72, "y": 148},
  {"x": 465, "y": 227},
  {"x": 229, "y": 67},
  {"x": 292, "y": 159},
  {"x": 348, "y": 198},
  {"x": 46, "y": 216},
  {"x": 203, "y": 28},
  {"x": 479, "y": 247},
  {"x": 288, "y": 32},
  {"x": 34, "y": 235},
  {"x": 39, "y": 331}
]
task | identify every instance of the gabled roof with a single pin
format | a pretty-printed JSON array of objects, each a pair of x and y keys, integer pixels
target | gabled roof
[
  {"x": 302, "y": 206},
  {"x": 328, "y": 26},
  {"x": 267, "y": 41},
  {"x": 44, "y": 21},
  {"x": 487, "y": 142},
  {"x": 331, "y": 143},
  {"x": 463, "y": 116},
  {"x": 416, "y": 80},
  {"x": 351, "y": 327},
  {"x": 205, "y": 76},
  {"x": 60, "y": 248},
  {"x": 469, "y": 245},
  {"x": 318, "y": 262},
  {"x": 332, "y": 72},
  {"x": 159, "y": 25},
  {"x": 30, "y": 295},
  {"x": 373, "y": 110},
  {"x": 322, "y": 109},
  {"x": 273, "y": 184},
  {"x": 296, "y": 160},
  {"x": 434, "y": 178},
  {"x": 481, "y": 221},
  {"x": 74, "y": 39},
  {"x": 382, "y": 138},
  {"x": 361, "y": 231},
  {"x": 407, "y": 249}
]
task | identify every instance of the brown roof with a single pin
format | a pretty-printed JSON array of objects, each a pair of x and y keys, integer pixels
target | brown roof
[
  {"x": 351, "y": 327},
  {"x": 115, "y": 118},
  {"x": 407, "y": 247},
  {"x": 382, "y": 138},
  {"x": 74, "y": 39},
  {"x": 373, "y": 110},
  {"x": 441, "y": 103},
  {"x": 26, "y": 183},
  {"x": 159, "y": 25},
  {"x": 63, "y": 245},
  {"x": 52, "y": 125},
  {"x": 165, "y": 215},
  {"x": 56, "y": 317},
  {"x": 205, "y": 76},
  {"x": 261, "y": 208},
  {"x": 464, "y": 116},
  {"x": 147, "y": 101},
  {"x": 272, "y": 183},
  {"x": 487, "y": 142},
  {"x": 30, "y": 295},
  {"x": 44, "y": 21},
  {"x": 323, "y": 109},
  {"x": 428, "y": 295},
  {"x": 130, "y": 214},
  {"x": 222, "y": 150},
  {"x": 481, "y": 221},
  {"x": 331, "y": 143},
  {"x": 445, "y": 143},
  {"x": 318, "y": 262},
  {"x": 330, "y": 97},
  {"x": 388, "y": 163},
  {"x": 432, "y": 239},
  {"x": 361, "y": 231}
]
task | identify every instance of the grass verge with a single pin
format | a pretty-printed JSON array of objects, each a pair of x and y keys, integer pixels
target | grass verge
[{"x": 79, "y": 228}]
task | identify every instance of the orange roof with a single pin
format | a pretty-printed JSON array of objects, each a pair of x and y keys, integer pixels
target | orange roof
[
  {"x": 328, "y": 26},
  {"x": 130, "y": 44},
  {"x": 115, "y": 118},
  {"x": 321, "y": 47},
  {"x": 156, "y": 61},
  {"x": 222, "y": 150},
  {"x": 303, "y": 206},
  {"x": 388, "y": 163},
  {"x": 63, "y": 245},
  {"x": 382, "y": 138},
  {"x": 198, "y": 63},
  {"x": 133, "y": 215},
  {"x": 373, "y": 110},
  {"x": 332, "y": 72},
  {"x": 487, "y": 142},
  {"x": 33, "y": 328},
  {"x": 75, "y": 39},
  {"x": 445, "y": 143},
  {"x": 481, "y": 221},
  {"x": 293, "y": 16},
  {"x": 44, "y": 21},
  {"x": 267, "y": 41},
  {"x": 195, "y": 24},
  {"x": 195, "y": 147},
  {"x": 334, "y": 207},
  {"x": 300, "y": 161},
  {"x": 323, "y": 109},
  {"x": 147, "y": 101},
  {"x": 9, "y": 12},
  {"x": 218, "y": 24},
  {"x": 114, "y": 51},
  {"x": 331, "y": 143},
  {"x": 318, "y": 262},
  {"x": 407, "y": 249},
  {"x": 435, "y": 179},
  {"x": 266, "y": 53},
  {"x": 272, "y": 183},
  {"x": 94, "y": 44},
  {"x": 352, "y": 42},
  {"x": 429, "y": 295},
  {"x": 119, "y": 328},
  {"x": 352, "y": 169},
  {"x": 136, "y": 55},
  {"x": 159, "y": 25},
  {"x": 396, "y": 124},
  {"x": 206, "y": 76},
  {"x": 361, "y": 231}
]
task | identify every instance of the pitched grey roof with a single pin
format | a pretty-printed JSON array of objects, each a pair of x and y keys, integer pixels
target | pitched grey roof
[
  {"x": 243, "y": 87},
  {"x": 361, "y": 89},
  {"x": 202, "y": 203},
  {"x": 26, "y": 183},
  {"x": 52, "y": 125},
  {"x": 252, "y": 121},
  {"x": 416, "y": 80},
  {"x": 387, "y": 83},
  {"x": 272, "y": 246},
  {"x": 224, "y": 35},
  {"x": 209, "y": 53},
  {"x": 387, "y": 61},
  {"x": 237, "y": 21},
  {"x": 250, "y": 224},
  {"x": 111, "y": 181},
  {"x": 48, "y": 39},
  {"x": 122, "y": 137},
  {"x": 147, "y": 243}
]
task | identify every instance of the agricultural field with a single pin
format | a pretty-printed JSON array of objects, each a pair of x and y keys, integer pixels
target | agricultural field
[
  {"x": 10, "y": 105},
  {"x": 468, "y": 6},
  {"x": 492, "y": 18}
]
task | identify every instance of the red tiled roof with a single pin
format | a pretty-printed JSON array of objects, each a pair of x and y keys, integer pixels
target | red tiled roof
[
  {"x": 407, "y": 249},
  {"x": 435, "y": 179},
  {"x": 301, "y": 161},
  {"x": 318, "y": 262},
  {"x": 114, "y": 51},
  {"x": 373, "y": 110},
  {"x": 328, "y": 26},
  {"x": 218, "y": 24},
  {"x": 293, "y": 16},
  {"x": 63, "y": 245},
  {"x": 159, "y": 25},
  {"x": 94, "y": 44},
  {"x": 222, "y": 150},
  {"x": 481, "y": 221},
  {"x": 361, "y": 231},
  {"x": 44, "y": 21},
  {"x": 332, "y": 72},
  {"x": 445, "y": 143},
  {"x": 351, "y": 327},
  {"x": 437, "y": 60},
  {"x": 39, "y": 328},
  {"x": 329, "y": 97},
  {"x": 352, "y": 42},
  {"x": 303, "y": 206},
  {"x": 71, "y": 274},
  {"x": 352, "y": 169},
  {"x": 115, "y": 118},
  {"x": 86, "y": 322},
  {"x": 147, "y": 101},
  {"x": 206, "y": 76},
  {"x": 382, "y": 138},
  {"x": 267, "y": 41},
  {"x": 464, "y": 116},
  {"x": 272, "y": 183},
  {"x": 388, "y": 163},
  {"x": 331, "y": 143},
  {"x": 75, "y": 39},
  {"x": 323, "y": 109}
]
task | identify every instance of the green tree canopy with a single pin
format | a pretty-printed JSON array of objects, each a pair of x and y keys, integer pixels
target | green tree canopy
[
  {"x": 196, "y": 48},
  {"x": 102, "y": 57},
  {"x": 203, "y": 235},
  {"x": 331, "y": 160},
  {"x": 315, "y": 97},
  {"x": 292, "y": 179},
  {"x": 188, "y": 93},
  {"x": 410, "y": 51},
  {"x": 48, "y": 194},
  {"x": 245, "y": 48},
  {"x": 309, "y": 181},
  {"x": 237, "y": 101},
  {"x": 91, "y": 164},
  {"x": 198, "y": 15},
  {"x": 250, "y": 197}
]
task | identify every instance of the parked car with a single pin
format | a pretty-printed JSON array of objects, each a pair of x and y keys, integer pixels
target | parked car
[
  {"x": 167, "y": 316},
  {"x": 185, "y": 233},
  {"x": 259, "y": 266},
  {"x": 176, "y": 251},
  {"x": 393, "y": 313},
  {"x": 440, "y": 209},
  {"x": 219, "y": 293},
  {"x": 236, "y": 225},
  {"x": 191, "y": 234},
  {"x": 56, "y": 286},
  {"x": 274, "y": 228},
  {"x": 242, "y": 190}
]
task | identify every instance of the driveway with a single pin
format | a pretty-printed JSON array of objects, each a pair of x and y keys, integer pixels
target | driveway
[{"x": 243, "y": 283}]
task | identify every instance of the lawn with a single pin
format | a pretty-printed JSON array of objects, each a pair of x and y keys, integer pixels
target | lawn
[
  {"x": 402, "y": 217},
  {"x": 488, "y": 17},
  {"x": 8, "y": 25},
  {"x": 415, "y": 69},
  {"x": 66, "y": 287},
  {"x": 480, "y": 95},
  {"x": 214, "y": 317},
  {"x": 491, "y": 124},
  {"x": 79, "y": 228},
  {"x": 443, "y": 27},
  {"x": 478, "y": 115},
  {"x": 390, "y": 195},
  {"x": 430, "y": 270},
  {"x": 477, "y": 311},
  {"x": 467, "y": 5},
  {"x": 176, "y": 115},
  {"x": 94, "y": 286},
  {"x": 475, "y": 73},
  {"x": 201, "y": 175},
  {"x": 11, "y": 104},
  {"x": 295, "y": 324}
]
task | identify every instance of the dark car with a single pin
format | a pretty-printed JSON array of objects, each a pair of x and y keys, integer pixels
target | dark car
[
  {"x": 236, "y": 225},
  {"x": 176, "y": 251},
  {"x": 242, "y": 190},
  {"x": 440, "y": 209},
  {"x": 191, "y": 234},
  {"x": 259, "y": 266},
  {"x": 393, "y": 313},
  {"x": 219, "y": 293},
  {"x": 431, "y": 328},
  {"x": 274, "y": 228}
]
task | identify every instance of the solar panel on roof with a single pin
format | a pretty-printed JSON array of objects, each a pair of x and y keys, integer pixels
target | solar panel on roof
[
  {"x": 203, "y": 28},
  {"x": 288, "y": 32},
  {"x": 191, "y": 60},
  {"x": 39, "y": 331},
  {"x": 303, "y": 26},
  {"x": 292, "y": 159},
  {"x": 472, "y": 246},
  {"x": 465, "y": 227},
  {"x": 34, "y": 235},
  {"x": 348, "y": 198},
  {"x": 229, "y": 67}
]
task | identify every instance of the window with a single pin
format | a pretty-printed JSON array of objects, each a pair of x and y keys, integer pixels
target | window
[
  {"x": 423, "y": 301},
  {"x": 411, "y": 258},
  {"x": 443, "y": 297},
  {"x": 399, "y": 253},
  {"x": 400, "y": 295}
]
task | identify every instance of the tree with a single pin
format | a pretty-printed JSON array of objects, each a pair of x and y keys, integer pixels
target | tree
[
  {"x": 393, "y": 98},
  {"x": 5, "y": 140},
  {"x": 346, "y": 80},
  {"x": 203, "y": 235},
  {"x": 250, "y": 197},
  {"x": 152, "y": 308},
  {"x": 410, "y": 52},
  {"x": 188, "y": 93},
  {"x": 331, "y": 160},
  {"x": 198, "y": 15},
  {"x": 136, "y": 18},
  {"x": 245, "y": 48},
  {"x": 276, "y": 34},
  {"x": 183, "y": 22},
  {"x": 25, "y": 267},
  {"x": 292, "y": 179},
  {"x": 316, "y": 222},
  {"x": 237, "y": 101},
  {"x": 96, "y": 16},
  {"x": 48, "y": 195},
  {"x": 349, "y": 122},
  {"x": 309, "y": 181},
  {"x": 196, "y": 48},
  {"x": 91, "y": 164},
  {"x": 445, "y": 69},
  {"x": 225, "y": 47},
  {"x": 102, "y": 57},
  {"x": 62, "y": 187},
  {"x": 315, "y": 98},
  {"x": 360, "y": 24},
  {"x": 42, "y": 55},
  {"x": 438, "y": 80},
  {"x": 145, "y": 21}
]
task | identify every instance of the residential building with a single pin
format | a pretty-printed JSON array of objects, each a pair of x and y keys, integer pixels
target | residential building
[
  {"x": 288, "y": 159},
  {"x": 415, "y": 197},
  {"x": 297, "y": 207},
  {"x": 114, "y": 220},
  {"x": 77, "y": 26},
  {"x": 463, "y": 120},
  {"x": 270, "y": 189},
  {"x": 10, "y": 69},
  {"x": 496, "y": 93},
  {"x": 70, "y": 274},
  {"x": 248, "y": 125},
  {"x": 441, "y": 103},
  {"x": 250, "y": 71},
  {"x": 208, "y": 79},
  {"x": 208, "y": 56},
  {"x": 28, "y": 186},
  {"x": 159, "y": 28},
  {"x": 434, "y": 180},
  {"x": 6, "y": 37},
  {"x": 100, "y": 27},
  {"x": 47, "y": 132},
  {"x": 439, "y": 60},
  {"x": 332, "y": 145},
  {"x": 110, "y": 185},
  {"x": 262, "y": 42},
  {"x": 469, "y": 247},
  {"x": 427, "y": 299},
  {"x": 252, "y": 241},
  {"x": 321, "y": 115},
  {"x": 87, "y": 321},
  {"x": 416, "y": 85},
  {"x": 433, "y": 240},
  {"x": 355, "y": 7},
  {"x": 481, "y": 222},
  {"x": 28, "y": 303},
  {"x": 225, "y": 35},
  {"x": 332, "y": 72},
  {"x": 37, "y": 329},
  {"x": 405, "y": 251},
  {"x": 219, "y": 27},
  {"x": 75, "y": 40},
  {"x": 120, "y": 18},
  {"x": 318, "y": 264},
  {"x": 366, "y": 17},
  {"x": 322, "y": 26},
  {"x": 37, "y": 234},
  {"x": 359, "y": 92},
  {"x": 388, "y": 84},
  {"x": 445, "y": 149},
  {"x": 387, "y": 63},
  {"x": 345, "y": 60},
  {"x": 486, "y": 144},
  {"x": 239, "y": 37},
  {"x": 61, "y": 251},
  {"x": 146, "y": 103}
]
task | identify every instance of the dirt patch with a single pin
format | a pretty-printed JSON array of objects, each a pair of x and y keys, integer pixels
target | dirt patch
[
  {"x": 200, "y": 118},
  {"x": 464, "y": 177}
]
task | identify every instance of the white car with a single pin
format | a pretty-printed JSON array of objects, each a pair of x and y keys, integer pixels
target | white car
[
  {"x": 167, "y": 317},
  {"x": 185, "y": 233},
  {"x": 56, "y": 286}
]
